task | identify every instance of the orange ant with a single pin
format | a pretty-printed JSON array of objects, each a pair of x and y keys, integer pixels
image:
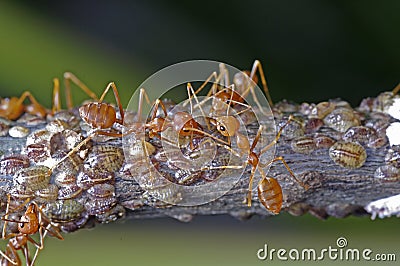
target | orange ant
[
  {"x": 33, "y": 221},
  {"x": 229, "y": 126},
  {"x": 99, "y": 115},
  {"x": 181, "y": 122},
  {"x": 234, "y": 94},
  {"x": 12, "y": 108}
]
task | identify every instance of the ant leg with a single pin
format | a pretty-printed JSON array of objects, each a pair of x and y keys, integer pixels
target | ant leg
[
  {"x": 276, "y": 137},
  {"x": 50, "y": 227},
  {"x": 257, "y": 66},
  {"x": 117, "y": 98},
  {"x": 26, "y": 254},
  {"x": 142, "y": 95},
  {"x": 280, "y": 158},
  {"x": 68, "y": 77},
  {"x": 191, "y": 91},
  {"x": 396, "y": 89},
  {"x": 250, "y": 189},
  {"x": 11, "y": 250},
  {"x": 56, "y": 106},
  {"x": 35, "y": 108}
]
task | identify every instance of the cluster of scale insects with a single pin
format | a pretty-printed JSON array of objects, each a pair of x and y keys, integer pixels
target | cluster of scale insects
[
  {"x": 66, "y": 173},
  {"x": 347, "y": 133}
]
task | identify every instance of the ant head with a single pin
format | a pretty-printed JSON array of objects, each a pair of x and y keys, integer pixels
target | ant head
[
  {"x": 227, "y": 125},
  {"x": 29, "y": 222}
]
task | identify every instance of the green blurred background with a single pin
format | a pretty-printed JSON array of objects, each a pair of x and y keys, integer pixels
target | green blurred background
[{"x": 311, "y": 50}]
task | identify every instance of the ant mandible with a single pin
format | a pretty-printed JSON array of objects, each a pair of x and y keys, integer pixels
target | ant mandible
[{"x": 33, "y": 221}]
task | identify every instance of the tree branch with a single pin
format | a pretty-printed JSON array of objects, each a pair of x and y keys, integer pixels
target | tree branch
[{"x": 333, "y": 190}]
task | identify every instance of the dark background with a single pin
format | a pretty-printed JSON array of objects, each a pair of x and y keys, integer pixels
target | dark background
[{"x": 311, "y": 51}]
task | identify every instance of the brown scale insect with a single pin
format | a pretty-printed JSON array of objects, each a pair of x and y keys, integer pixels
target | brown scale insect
[
  {"x": 37, "y": 152},
  {"x": 33, "y": 221},
  {"x": 100, "y": 191},
  {"x": 48, "y": 194},
  {"x": 10, "y": 164},
  {"x": 303, "y": 144},
  {"x": 387, "y": 173},
  {"x": 33, "y": 178},
  {"x": 89, "y": 177},
  {"x": 342, "y": 119},
  {"x": 322, "y": 109},
  {"x": 104, "y": 158},
  {"x": 312, "y": 125},
  {"x": 100, "y": 206},
  {"x": 348, "y": 154},
  {"x": 115, "y": 213},
  {"x": 62, "y": 211},
  {"x": 323, "y": 142},
  {"x": 69, "y": 192}
]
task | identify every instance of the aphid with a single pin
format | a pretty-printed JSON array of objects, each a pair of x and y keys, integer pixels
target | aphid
[
  {"x": 348, "y": 154},
  {"x": 104, "y": 158},
  {"x": 10, "y": 164},
  {"x": 18, "y": 132},
  {"x": 342, "y": 119},
  {"x": 303, "y": 144},
  {"x": 33, "y": 178},
  {"x": 89, "y": 177},
  {"x": 32, "y": 222}
]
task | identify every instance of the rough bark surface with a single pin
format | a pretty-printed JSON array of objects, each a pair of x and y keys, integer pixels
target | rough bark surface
[{"x": 333, "y": 190}]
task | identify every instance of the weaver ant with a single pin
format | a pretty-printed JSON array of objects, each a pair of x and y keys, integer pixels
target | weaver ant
[
  {"x": 33, "y": 221},
  {"x": 236, "y": 93},
  {"x": 12, "y": 108},
  {"x": 268, "y": 189}
]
